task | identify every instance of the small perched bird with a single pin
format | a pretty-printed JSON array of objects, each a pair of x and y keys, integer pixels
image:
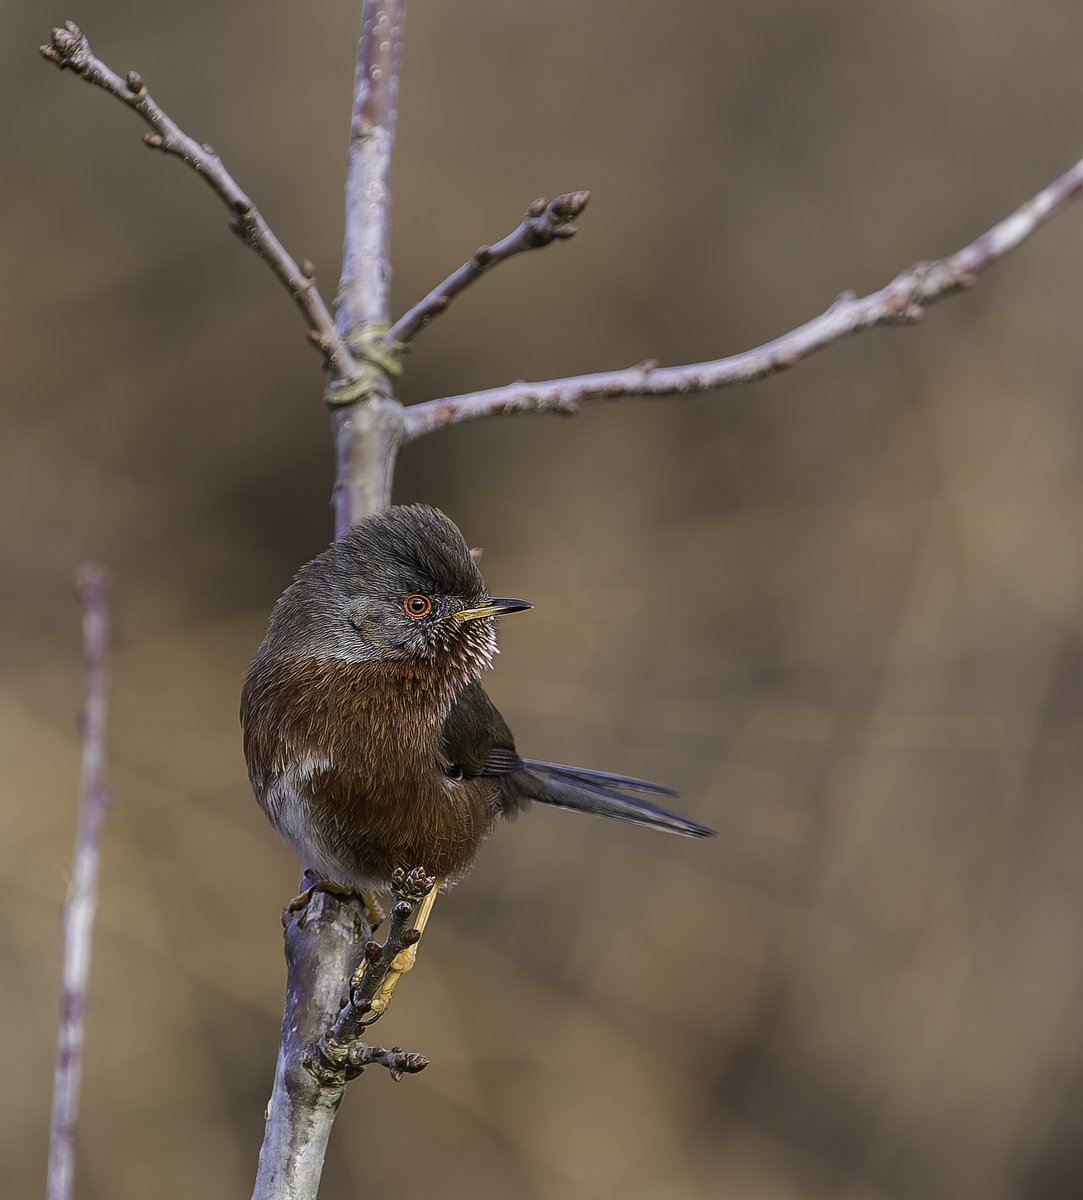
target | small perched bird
[{"x": 369, "y": 740}]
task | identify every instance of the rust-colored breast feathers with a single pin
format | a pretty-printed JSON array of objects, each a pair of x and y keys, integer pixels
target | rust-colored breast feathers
[{"x": 341, "y": 758}]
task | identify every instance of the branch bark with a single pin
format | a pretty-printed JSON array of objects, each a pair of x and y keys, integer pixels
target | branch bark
[
  {"x": 901, "y": 302},
  {"x": 92, "y": 586}
]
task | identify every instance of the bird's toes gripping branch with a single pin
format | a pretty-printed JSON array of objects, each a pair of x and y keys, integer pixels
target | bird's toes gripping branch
[
  {"x": 374, "y": 912},
  {"x": 340, "y": 1054}
]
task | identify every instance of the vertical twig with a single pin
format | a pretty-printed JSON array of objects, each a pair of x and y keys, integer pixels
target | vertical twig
[
  {"x": 369, "y": 427},
  {"x": 92, "y": 585},
  {"x": 362, "y": 298},
  {"x": 326, "y": 938}
]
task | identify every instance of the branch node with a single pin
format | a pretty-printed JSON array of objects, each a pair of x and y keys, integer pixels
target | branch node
[
  {"x": 154, "y": 140},
  {"x": 135, "y": 83}
]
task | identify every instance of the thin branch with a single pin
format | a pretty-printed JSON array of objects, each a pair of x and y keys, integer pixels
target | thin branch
[
  {"x": 901, "y": 302},
  {"x": 69, "y": 49},
  {"x": 92, "y": 585},
  {"x": 542, "y": 224}
]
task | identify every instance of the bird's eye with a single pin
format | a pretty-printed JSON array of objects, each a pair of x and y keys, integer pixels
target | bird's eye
[{"x": 416, "y": 605}]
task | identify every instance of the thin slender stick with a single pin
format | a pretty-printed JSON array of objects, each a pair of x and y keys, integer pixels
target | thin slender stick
[
  {"x": 70, "y": 50},
  {"x": 92, "y": 585},
  {"x": 901, "y": 302},
  {"x": 542, "y": 224}
]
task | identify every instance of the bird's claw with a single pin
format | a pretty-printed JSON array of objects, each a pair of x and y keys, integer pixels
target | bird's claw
[{"x": 329, "y": 887}]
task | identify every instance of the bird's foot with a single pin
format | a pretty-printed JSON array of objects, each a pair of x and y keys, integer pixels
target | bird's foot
[
  {"x": 330, "y": 888},
  {"x": 385, "y": 963}
]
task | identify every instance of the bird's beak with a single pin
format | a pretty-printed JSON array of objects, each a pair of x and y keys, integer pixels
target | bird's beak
[{"x": 491, "y": 608}]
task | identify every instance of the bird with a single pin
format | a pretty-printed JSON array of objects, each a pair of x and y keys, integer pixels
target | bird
[{"x": 370, "y": 742}]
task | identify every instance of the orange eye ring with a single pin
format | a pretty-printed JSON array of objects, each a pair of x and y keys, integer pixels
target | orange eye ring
[{"x": 416, "y": 605}]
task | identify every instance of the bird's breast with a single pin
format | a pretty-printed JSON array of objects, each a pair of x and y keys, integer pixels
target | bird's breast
[{"x": 345, "y": 759}]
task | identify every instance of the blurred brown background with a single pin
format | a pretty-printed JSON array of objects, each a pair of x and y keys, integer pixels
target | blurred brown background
[{"x": 841, "y": 610}]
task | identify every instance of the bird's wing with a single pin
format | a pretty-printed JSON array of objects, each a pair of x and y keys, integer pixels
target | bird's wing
[
  {"x": 476, "y": 737},
  {"x": 477, "y": 740}
]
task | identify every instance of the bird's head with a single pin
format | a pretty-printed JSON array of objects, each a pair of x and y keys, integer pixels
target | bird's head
[{"x": 400, "y": 585}]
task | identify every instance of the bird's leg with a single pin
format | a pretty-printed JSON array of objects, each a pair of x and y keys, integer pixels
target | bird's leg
[
  {"x": 405, "y": 959},
  {"x": 384, "y": 964}
]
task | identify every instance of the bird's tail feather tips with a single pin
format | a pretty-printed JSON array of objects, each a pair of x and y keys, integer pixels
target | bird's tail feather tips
[{"x": 596, "y": 792}]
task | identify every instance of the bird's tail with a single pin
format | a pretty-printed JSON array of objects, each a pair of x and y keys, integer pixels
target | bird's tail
[{"x": 602, "y": 793}]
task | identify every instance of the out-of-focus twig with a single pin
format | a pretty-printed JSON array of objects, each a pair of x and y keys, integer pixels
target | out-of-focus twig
[
  {"x": 542, "y": 224},
  {"x": 92, "y": 585},
  {"x": 69, "y": 49},
  {"x": 901, "y": 302}
]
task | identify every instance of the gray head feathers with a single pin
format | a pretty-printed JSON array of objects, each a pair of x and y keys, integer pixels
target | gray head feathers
[{"x": 348, "y": 601}]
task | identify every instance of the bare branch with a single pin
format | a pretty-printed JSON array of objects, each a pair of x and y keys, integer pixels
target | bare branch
[
  {"x": 542, "y": 224},
  {"x": 323, "y": 941},
  {"x": 362, "y": 300},
  {"x": 69, "y": 49},
  {"x": 92, "y": 585},
  {"x": 901, "y": 302}
]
